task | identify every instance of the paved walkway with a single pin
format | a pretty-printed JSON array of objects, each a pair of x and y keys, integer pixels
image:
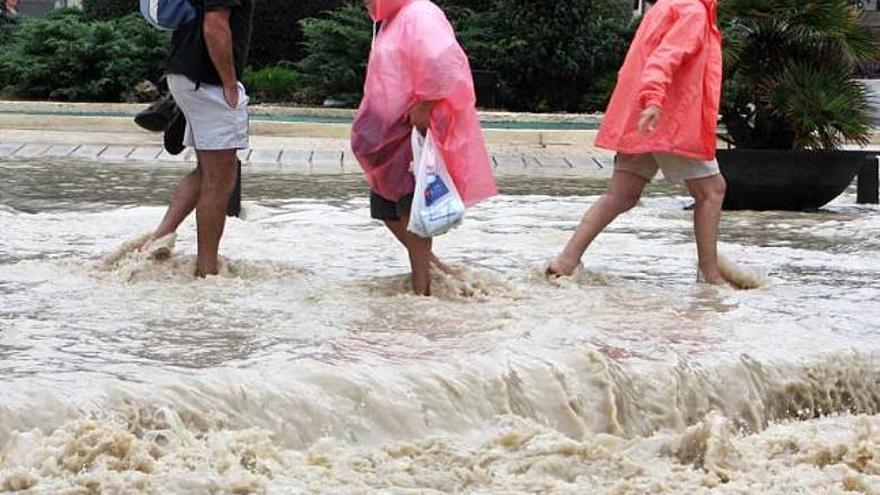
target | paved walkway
[
  {"x": 297, "y": 140},
  {"x": 490, "y": 119},
  {"x": 298, "y": 158}
]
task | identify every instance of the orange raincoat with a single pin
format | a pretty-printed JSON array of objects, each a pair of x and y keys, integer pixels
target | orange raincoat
[
  {"x": 415, "y": 58},
  {"x": 674, "y": 63}
]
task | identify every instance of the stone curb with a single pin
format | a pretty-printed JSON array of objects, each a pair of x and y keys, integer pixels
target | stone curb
[
  {"x": 297, "y": 155},
  {"x": 129, "y": 109},
  {"x": 104, "y": 124}
]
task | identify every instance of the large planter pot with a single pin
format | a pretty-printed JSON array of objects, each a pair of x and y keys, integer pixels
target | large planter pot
[{"x": 786, "y": 180}]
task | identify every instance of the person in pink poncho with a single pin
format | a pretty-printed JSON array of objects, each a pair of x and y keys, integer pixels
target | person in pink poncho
[
  {"x": 418, "y": 76},
  {"x": 663, "y": 115}
]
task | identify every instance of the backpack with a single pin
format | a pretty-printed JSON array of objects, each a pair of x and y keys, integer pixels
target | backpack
[{"x": 168, "y": 14}]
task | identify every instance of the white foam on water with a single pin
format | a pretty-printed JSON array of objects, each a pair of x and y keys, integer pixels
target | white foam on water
[
  {"x": 832, "y": 455},
  {"x": 429, "y": 417},
  {"x": 127, "y": 263},
  {"x": 306, "y": 366},
  {"x": 461, "y": 283},
  {"x": 739, "y": 277}
]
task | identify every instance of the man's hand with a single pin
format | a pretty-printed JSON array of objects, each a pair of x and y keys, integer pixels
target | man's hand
[
  {"x": 648, "y": 119},
  {"x": 231, "y": 95},
  {"x": 419, "y": 116}
]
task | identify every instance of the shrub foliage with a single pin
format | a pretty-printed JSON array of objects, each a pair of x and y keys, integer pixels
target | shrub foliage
[
  {"x": 277, "y": 35},
  {"x": 789, "y": 73},
  {"x": 273, "y": 84},
  {"x": 67, "y": 57},
  {"x": 108, "y": 10},
  {"x": 549, "y": 55},
  {"x": 337, "y": 49}
]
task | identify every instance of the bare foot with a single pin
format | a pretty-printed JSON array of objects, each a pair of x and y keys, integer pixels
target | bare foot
[
  {"x": 159, "y": 248},
  {"x": 420, "y": 287},
  {"x": 712, "y": 277},
  {"x": 127, "y": 247},
  {"x": 562, "y": 267},
  {"x": 443, "y": 267},
  {"x": 145, "y": 245},
  {"x": 203, "y": 273}
]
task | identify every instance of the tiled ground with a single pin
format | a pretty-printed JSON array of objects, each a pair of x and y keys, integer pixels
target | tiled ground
[{"x": 316, "y": 160}]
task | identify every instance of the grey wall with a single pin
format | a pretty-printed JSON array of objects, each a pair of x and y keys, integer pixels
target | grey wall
[{"x": 39, "y": 8}]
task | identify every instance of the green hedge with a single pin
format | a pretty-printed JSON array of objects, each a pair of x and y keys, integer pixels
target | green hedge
[
  {"x": 273, "y": 84},
  {"x": 550, "y": 56},
  {"x": 67, "y": 57},
  {"x": 277, "y": 35},
  {"x": 337, "y": 49},
  {"x": 108, "y": 10},
  {"x": 7, "y": 24}
]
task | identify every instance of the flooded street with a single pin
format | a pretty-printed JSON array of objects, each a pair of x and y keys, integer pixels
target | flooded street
[{"x": 306, "y": 368}]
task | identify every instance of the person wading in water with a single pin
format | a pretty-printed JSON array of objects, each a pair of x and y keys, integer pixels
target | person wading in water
[{"x": 663, "y": 115}]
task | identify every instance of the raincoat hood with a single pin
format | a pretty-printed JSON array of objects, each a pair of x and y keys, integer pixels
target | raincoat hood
[{"x": 386, "y": 9}]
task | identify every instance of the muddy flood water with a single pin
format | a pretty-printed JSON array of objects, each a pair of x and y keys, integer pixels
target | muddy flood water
[{"x": 305, "y": 368}]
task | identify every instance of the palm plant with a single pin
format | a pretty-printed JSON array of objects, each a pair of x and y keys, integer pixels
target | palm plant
[{"x": 789, "y": 73}]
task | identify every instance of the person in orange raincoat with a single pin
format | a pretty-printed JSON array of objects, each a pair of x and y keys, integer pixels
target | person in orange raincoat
[
  {"x": 663, "y": 115},
  {"x": 418, "y": 76}
]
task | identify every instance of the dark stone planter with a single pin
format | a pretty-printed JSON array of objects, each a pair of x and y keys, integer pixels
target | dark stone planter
[{"x": 786, "y": 180}]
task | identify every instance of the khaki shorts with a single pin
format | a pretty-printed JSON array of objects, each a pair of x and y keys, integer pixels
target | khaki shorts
[
  {"x": 211, "y": 124},
  {"x": 675, "y": 167}
]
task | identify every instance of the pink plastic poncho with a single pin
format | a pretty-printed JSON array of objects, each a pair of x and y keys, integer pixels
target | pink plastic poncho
[
  {"x": 674, "y": 63},
  {"x": 416, "y": 58}
]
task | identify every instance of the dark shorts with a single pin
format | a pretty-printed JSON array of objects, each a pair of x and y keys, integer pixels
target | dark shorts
[{"x": 382, "y": 209}]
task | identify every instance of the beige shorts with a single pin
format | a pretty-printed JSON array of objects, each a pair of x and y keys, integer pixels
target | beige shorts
[
  {"x": 675, "y": 167},
  {"x": 211, "y": 124}
]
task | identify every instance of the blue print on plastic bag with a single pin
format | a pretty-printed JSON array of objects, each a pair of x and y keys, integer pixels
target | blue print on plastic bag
[{"x": 436, "y": 190}]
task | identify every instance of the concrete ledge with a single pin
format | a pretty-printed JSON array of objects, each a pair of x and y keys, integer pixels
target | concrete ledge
[
  {"x": 68, "y": 122},
  {"x": 284, "y": 154},
  {"x": 113, "y": 124},
  {"x": 317, "y": 144},
  {"x": 128, "y": 109},
  {"x": 267, "y": 120}
]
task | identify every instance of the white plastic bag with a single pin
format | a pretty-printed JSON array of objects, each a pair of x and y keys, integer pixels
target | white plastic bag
[{"x": 437, "y": 207}]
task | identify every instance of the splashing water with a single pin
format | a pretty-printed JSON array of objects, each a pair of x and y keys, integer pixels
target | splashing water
[
  {"x": 305, "y": 366},
  {"x": 740, "y": 278}
]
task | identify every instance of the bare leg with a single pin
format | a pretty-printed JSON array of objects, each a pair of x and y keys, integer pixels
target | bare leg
[
  {"x": 420, "y": 261},
  {"x": 399, "y": 229},
  {"x": 623, "y": 194},
  {"x": 184, "y": 201},
  {"x": 709, "y": 194},
  {"x": 419, "y": 251},
  {"x": 218, "y": 179}
]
